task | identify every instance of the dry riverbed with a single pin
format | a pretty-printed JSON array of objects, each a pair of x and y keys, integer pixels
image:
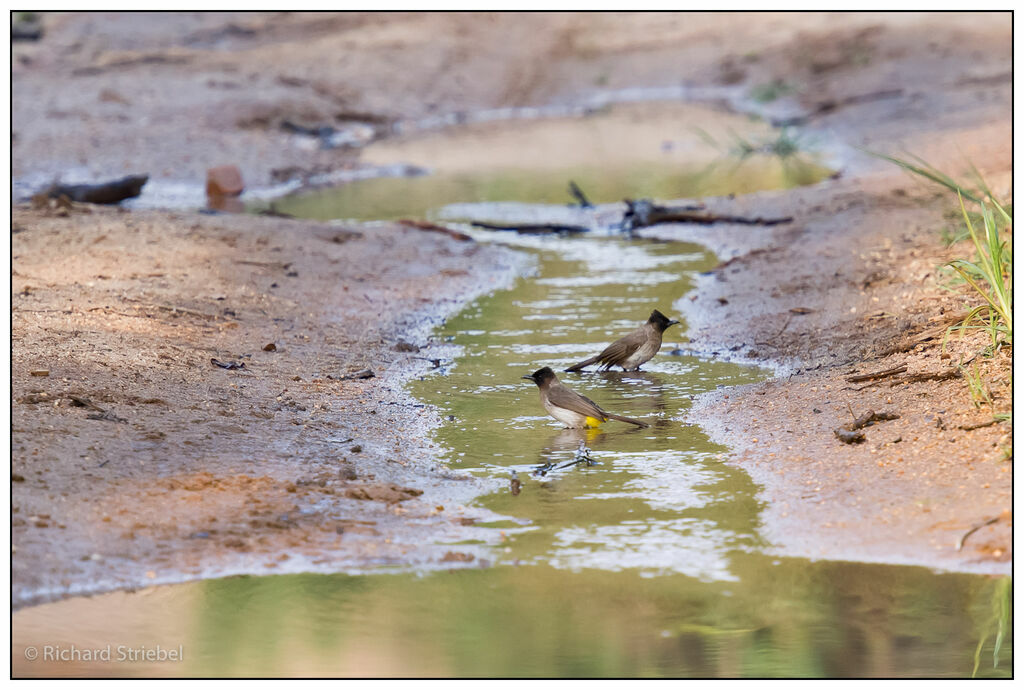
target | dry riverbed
[{"x": 136, "y": 459}]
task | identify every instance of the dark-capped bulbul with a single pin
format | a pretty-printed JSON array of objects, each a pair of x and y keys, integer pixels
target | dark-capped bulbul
[
  {"x": 568, "y": 406},
  {"x": 632, "y": 350}
]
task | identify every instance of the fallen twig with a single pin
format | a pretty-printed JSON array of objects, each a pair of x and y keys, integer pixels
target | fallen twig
[
  {"x": 226, "y": 365},
  {"x": 960, "y": 544},
  {"x": 950, "y": 373},
  {"x": 784, "y": 326},
  {"x": 877, "y": 374},
  {"x": 827, "y": 106},
  {"x": 80, "y": 401},
  {"x": 101, "y": 414},
  {"x": 982, "y": 425},
  {"x": 871, "y": 417},
  {"x": 280, "y": 265},
  {"x": 849, "y": 433},
  {"x": 534, "y": 228},
  {"x": 578, "y": 194},
  {"x": 644, "y": 213},
  {"x": 107, "y": 416},
  {"x": 431, "y": 227},
  {"x": 361, "y": 374}
]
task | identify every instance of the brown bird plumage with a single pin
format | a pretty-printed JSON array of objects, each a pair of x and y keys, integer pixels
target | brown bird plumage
[
  {"x": 633, "y": 350},
  {"x": 569, "y": 407}
]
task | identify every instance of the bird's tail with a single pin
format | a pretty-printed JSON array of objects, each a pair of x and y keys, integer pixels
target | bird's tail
[
  {"x": 584, "y": 363},
  {"x": 642, "y": 425}
]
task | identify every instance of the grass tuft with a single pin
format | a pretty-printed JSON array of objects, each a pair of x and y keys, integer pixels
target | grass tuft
[{"x": 990, "y": 275}]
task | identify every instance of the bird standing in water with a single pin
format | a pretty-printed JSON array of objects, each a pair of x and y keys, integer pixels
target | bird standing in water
[
  {"x": 568, "y": 406},
  {"x": 632, "y": 350}
]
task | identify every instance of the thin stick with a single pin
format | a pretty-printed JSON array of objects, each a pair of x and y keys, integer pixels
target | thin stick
[
  {"x": 784, "y": 326},
  {"x": 578, "y": 194},
  {"x": 972, "y": 427},
  {"x": 877, "y": 374},
  {"x": 960, "y": 544}
]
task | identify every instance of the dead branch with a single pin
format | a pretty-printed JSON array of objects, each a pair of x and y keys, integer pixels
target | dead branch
[
  {"x": 534, "y": 228},
  {"x": 645, "y": 213},
  {"x": 849, "y": 433},
  {"x": 950, "y": 373},
  {"x": 112, "y": 192}
]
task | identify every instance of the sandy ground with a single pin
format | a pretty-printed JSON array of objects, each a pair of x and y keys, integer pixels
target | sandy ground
[
  {"x": 180, "y": 467},
  {"x": 215, "y": 471}
]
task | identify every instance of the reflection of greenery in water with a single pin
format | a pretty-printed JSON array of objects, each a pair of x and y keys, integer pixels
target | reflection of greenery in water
[
  {"x": 660, "y": 500},
  {"x": 413, "y": 197},
  {"x": 783, "y": 618},
  {"x": 999, "y": 623}
]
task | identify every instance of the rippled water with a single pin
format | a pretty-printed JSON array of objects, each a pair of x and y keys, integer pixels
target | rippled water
[{"x": 657, "y": 500}]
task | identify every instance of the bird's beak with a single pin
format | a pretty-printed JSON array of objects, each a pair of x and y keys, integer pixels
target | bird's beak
[
  {"x": 671, "y": 322},
  {"x": 528, "y": 378}
]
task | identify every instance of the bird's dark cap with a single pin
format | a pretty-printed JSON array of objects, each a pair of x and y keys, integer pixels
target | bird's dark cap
[
  {"x": 541, "y": 375},
  {"x": 660, "y": 320}
]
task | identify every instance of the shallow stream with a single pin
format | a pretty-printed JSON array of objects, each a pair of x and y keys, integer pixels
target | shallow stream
[{"x": 645, "y": 561}]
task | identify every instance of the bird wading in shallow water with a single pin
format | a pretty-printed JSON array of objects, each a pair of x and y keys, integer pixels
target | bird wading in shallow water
[
  {"x": 568, "y": 406},
  {"x": 632, "y": 350}
]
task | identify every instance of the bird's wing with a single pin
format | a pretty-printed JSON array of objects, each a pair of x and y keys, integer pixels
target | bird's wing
[
  {"x": 623, "y": 347},
  {"x": 563, "y": 396}
]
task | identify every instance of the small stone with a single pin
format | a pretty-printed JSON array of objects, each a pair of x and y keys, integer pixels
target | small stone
[
  {"x": 270, "y": 347},
  {"x": 224, "y": 180}
]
